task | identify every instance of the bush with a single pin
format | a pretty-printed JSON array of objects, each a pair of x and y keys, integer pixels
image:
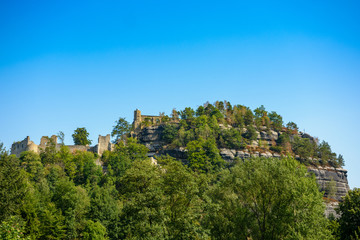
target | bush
[
  {"x": 169, "y": 133},
  {"x": 277, "y": 149},
  {"x": 232, "y": 139},
  {"x": 250, "y": 133}
]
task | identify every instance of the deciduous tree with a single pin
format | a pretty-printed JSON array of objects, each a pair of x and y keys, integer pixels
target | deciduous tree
[
  {"x": 350, "y": 215},
  {"x": 81, "y": 137},
  {"x": 121, "y": 128}
]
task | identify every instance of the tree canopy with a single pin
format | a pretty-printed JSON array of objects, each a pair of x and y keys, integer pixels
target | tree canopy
[
  {"x": 121, "y": 128},
  {"x": 81, "y": 137}
]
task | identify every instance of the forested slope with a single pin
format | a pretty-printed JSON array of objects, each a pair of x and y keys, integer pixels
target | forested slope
[{"x": 204, "y": 174}]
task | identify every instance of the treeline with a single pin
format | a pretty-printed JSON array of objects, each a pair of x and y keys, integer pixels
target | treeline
[
  {"x": 236, "y": 127},
  {"x": 63, "y": 195}
]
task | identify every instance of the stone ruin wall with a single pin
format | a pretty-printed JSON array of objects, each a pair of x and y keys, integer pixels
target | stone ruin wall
[
  {"x": 27, "y": 145},
  {"x": 138, "y": 119}
]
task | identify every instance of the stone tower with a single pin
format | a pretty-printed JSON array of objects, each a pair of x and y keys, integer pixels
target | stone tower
[{"x": 137, "y": 120}]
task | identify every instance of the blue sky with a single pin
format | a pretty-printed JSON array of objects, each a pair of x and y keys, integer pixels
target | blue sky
[{"x": 68, "y": 64}]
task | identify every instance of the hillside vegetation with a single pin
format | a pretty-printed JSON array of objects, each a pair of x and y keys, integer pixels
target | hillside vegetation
[
  {"x": 221, "y": 125},
  {"x": 59, "y": 194}
]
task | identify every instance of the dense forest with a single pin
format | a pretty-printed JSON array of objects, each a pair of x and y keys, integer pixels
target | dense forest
[{"x": 59, "y": 194}]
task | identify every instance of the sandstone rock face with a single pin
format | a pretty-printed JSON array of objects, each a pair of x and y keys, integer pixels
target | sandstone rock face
[
  {"x": 178, "y": 153},
  {"x": 150, "y": 134},
  {"x": 227, "y": 154},
  {"x": 325, "y": 176},
  {"x": 328, "y": 178}
]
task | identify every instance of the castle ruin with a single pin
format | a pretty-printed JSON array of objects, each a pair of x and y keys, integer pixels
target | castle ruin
[
  {"x": 27, "y": 145},
  {"x": 140, "y": 119},
  {"x": 103, "y": 141}
]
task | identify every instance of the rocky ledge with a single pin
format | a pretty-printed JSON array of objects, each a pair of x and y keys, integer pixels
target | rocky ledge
[{"x": 332, "y": 181}]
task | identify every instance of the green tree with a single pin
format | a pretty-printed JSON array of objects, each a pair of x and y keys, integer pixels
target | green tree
[
  {"x": 120, "y": 130},
  {"x": 49, "y": 154},
  {"x": 276, "y": 121},
  {"x": 232, "y": 139},
  {"x": 330, "y": 189},
  {"x": 250, "y": 133},
  {"x": 174, "y": 115},
  {"x": 2, "y": 149},
  {"x": 31, "y": 162},
  {"x": 349, "y": 210},
  {"x": 80, "y": 137},
  {"x": 187, "y": 114},
  {"x": 203, "y": 156},
  {"x": 292, "y": 127},
  {"x": 12, "y": 230},
  {"x": 86, "y": 169},
  {"x": 249, "y": 117},
  {"x": 61, "y": 136},
  {"x": 13, "y": 186},
  {"x": 325, "y": 153},
  {"x": 106, "y": 208},
  {"x": 142, "y": 215},
  {"x": 340, "y": 161},
  {"x": 169, "y": 133},
  {"x": 303, "y": 147},
  {"x": 200, "y": 111},
  {"x": 94, "y": 231},
  {"x": 267, "y": 198},
  {"x": 182, "y": 205},
  {"x": 260, "y": 112}
]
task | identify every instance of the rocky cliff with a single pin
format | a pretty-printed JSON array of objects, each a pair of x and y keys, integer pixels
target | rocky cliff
[{"x": 332, "y": 181}]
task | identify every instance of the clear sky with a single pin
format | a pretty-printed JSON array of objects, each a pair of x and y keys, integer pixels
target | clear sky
[{"x": 68, "y": 64}]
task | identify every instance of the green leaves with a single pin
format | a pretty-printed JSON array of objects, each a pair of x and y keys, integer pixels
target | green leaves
[
  {"x": 121, "y": 128},
  {"x": 350, "y": 215},
  {"x": 80, "y": 137},
  {"x": 203, "y": 156},
  {"x": 267, "y": 199}
]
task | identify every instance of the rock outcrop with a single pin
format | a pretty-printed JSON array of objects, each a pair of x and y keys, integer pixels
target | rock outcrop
[{"x": 332, "y": 181}]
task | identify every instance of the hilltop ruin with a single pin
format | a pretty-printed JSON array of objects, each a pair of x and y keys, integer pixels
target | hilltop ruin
[{"x": 27, "y": 145}]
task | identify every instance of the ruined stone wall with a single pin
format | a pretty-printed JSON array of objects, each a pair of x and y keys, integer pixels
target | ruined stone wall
[
  {"x": 103, "y": 144},
  {"x": 21, "y": 146},
  {"x": 138, "y": 119},
  {"x": 45, "y": 140},
  {"x": 27, "y": 145},
  {"x": 74, "y": 148}
]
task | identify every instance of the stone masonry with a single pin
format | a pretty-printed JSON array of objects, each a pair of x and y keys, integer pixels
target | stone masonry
[{"x": 27, "y": 145}]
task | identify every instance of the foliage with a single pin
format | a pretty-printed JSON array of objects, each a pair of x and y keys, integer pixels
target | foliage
[
  {"x": 350, "y": 215},
  {"x": 80, "y": 137},
  {"x": 232, "y": 139},
  {"x": 276, "y": 121},
  {"x": 2, "y": 149},
  {"x": 59, "y": 194},
  {"x": 267, "y": 199},
  {"x": 61, "y": 137},
  {"x": 94, "y": 231},
  {"x": 142, "y": 217},
  {"x": 292, "y": 127},
  {"x": 121, "y": 128},
  {"x": 303, "y": 147},
  {"x": 340, "y": 160},
  {"x": 187, "y": 114},
  {"x": 250, "y": 133},
  {"x": 13, "y": 186},
  {"x": 203, "y": 156},
  {"x": 48, "y": 155},
  {"x": 325, "y": 153},
  {"x": 12, "y": 230},
  {"x": 169, "y": 133},
  {"x": 277, "y": 149}
]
